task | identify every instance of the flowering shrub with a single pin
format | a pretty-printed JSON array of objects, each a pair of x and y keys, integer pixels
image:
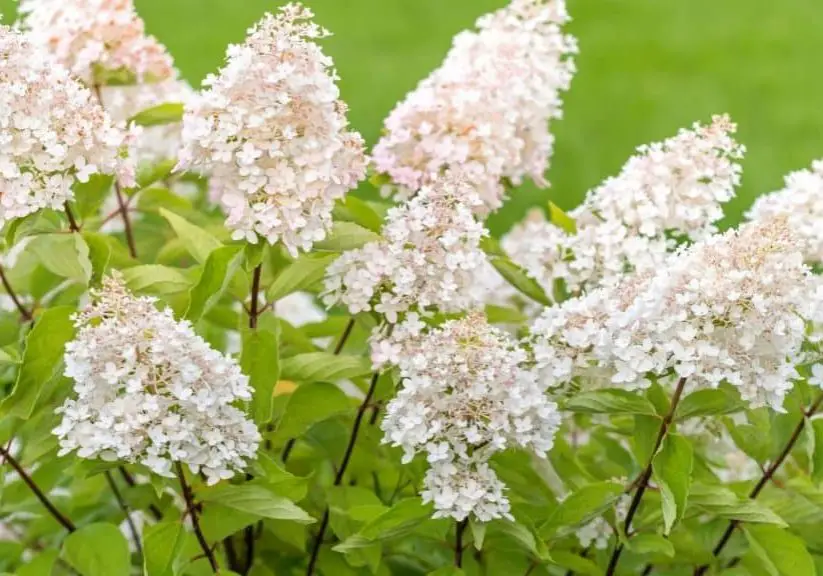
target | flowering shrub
[{"x": 217, "y": 359}]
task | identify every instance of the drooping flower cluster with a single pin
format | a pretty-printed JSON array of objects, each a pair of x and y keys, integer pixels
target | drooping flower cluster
[
  {"x": 427, "y": 258},
  {"x": 94, "y": 38},
  {"x": 467, "y": 393},
  {"x": 52, "y": 133},
  {"x": 486, "y": 110},
  {"x": 273, "y": 134},
  {"x": 149, "y": 390},
  {"x": 801, "y": 203},
  {"x": 670, "y": 191},
  {"x": 731, "y": 308}
]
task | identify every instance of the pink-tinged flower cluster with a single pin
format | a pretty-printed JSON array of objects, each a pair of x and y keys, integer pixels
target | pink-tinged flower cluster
[
  {"x": 668, "y": 193},
  {"x": 487, "y": 108},
  {"x": 273, "y": 134},
  {"x": 94, "y": 38},
  {"x": 468, "y": 391},
  {"x": 428, "y": 258},
  {"x": 52, "y": 132},
  {"x": 801, "y": 203}
]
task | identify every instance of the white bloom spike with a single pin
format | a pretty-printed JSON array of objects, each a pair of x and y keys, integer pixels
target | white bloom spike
[
  {"x": 52, "y": 133},
  {"x": 273, "y": 133},
  {"x": 149, "y": 390},
  {"x": 487, "y": 108},
  {"x": 88, "y": 36}
]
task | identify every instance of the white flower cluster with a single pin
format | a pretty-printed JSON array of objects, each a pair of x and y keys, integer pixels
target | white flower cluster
[
  {"x": 149, "y": 390},
  {"x": 93, "y": 38},
  {"x": 428, "y": 257},
  {"x": 670, "y": 191},
  {"x": 732, "y": 308},
  {"x": 52, "y": 133},
  {"x": 273, "y": 134},
  {"x": 486, "y": 110},
  {"x": 466, "y": 393},
  {"x": 154, "y": 143},
  {"x": 801, "y": 203}
]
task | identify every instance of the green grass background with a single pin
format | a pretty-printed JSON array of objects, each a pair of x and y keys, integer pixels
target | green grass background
[{"x": 646, "y": 68}]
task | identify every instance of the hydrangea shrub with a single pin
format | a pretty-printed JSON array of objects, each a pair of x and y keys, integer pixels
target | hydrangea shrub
[{"x": 234, "y": 340}]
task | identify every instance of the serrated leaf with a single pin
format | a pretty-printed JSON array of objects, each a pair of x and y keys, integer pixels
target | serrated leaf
[
  {"x": 610, "y": 401},
  {"x": 257, "y": 500},
  {"x": 42, "y": 357},
  {"x": 519, "y": 279},
  {"x": 303, "y": 273},
  {"x": 782, "y": 553},
  {"x": 218, "y": 271},
  {"x": 709, "y": 402},
  {"x": 582, "y": 505},
  {"x": 308, "y": 404},
  {"x": 261, "y": 363},
  {"x": 166, "y": 113},
  {"x": 562, "y": 220},
  {"x": 98, "y": 550},
  {"x": 66, "y": 255},
  {"x": 156, "y": 279},
  {"x": 346, "y": 236},
  {"x": 198, "y": 242},
  {"x": 672, "y": 469},
  {"x": 323, "y": 367}
]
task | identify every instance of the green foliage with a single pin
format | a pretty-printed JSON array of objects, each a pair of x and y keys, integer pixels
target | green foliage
[{"x": 98, "y": 550}]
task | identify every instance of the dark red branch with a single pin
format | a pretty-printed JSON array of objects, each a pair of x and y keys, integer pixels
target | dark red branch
[{"x": 24, "y": 312}]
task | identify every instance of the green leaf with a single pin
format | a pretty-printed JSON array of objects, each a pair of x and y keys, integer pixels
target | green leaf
[
  {"x": 308, "y": 404},
  {"x": 353, "y": 209},
  {"x": 156, "y": 279},
  {"x": 448, "y": 571},
  {"x": 517, "y": 533},
  {"x": 98, "y": 550},
  {"x": 66, "y": 255},
  {"x": 817, "y": 456},
  {"x": 575, "y": 563},
  {"x": 709, "y": 402},
  {"x": 152, "y": 199},
  {"x": 782, "y": 553},
  {"x": 478, "y": 533},
  {"x": 40, "y": 565},
  {"x": 561, "y": 219},
  {"x": 519, "y": 278},
  {"x": 504, "y": 315},
  {"x": 346, "y": 236},
  {"x": 162, "y": 547},
  {"x": 723, "y": 503},
  {"x": 672, "y": 468},
  {"x": 299, "y": 275},
  {"x": 610, "y": 401},
  {"x": 99, "y": 254},
  {"x": 148, "y": 175},
  {"x": 260, "y": 362},
  {"x": 220, "y": 267},
  {"x": 42, "y": 358},
  {"x": 395, "y": 522},
  {"x": 582, "y": 505},
  {"x": 197, "y": 241},
  {"x": 167, "y": 113},
  {"x": 90, "y": 196},
  {"x": 753, "y": 439},
  {"x": 280, "y": 480},
  {"x": 257, "y": 500},
  {"x": 324, "y": 367},
  {"x": 651, "y": 544}
]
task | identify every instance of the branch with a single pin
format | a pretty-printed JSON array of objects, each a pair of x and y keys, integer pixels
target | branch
[
  {"x": 765, "y": 479},
  {"x": 73, "y": 226},
  {"x": 646, "y": 475},
  {"x": 24, "y": 312},
  {"x": 125, "y": 508},
  {"x": 459, "y": 528},
  {"x": 195, "y": 521},
  {"x": 44, "y": 500}
]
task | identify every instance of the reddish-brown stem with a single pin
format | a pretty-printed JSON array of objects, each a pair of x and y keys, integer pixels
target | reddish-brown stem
[
  {"x": 195, "y": 520},
  {"x": 765, "y": 479},
  {"x": 44, "y": 500},
  {"x": 646, "y": 475},
  {"x": 24, "y": 312},
  {"x": 73, "y": 226}
]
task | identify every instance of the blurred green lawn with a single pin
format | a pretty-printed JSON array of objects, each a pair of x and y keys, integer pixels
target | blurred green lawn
[{"x": 646, "y": 68}]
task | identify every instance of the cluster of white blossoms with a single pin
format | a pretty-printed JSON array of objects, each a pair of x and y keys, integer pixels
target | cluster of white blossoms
[
  {"x": 272, "y": 133},
  {"x": 427, "y": 258},
  {"x": 801, "y": 203},
  {"x": 149, "y": 390},
  {"x": 93, "y": 38},
  {"x": 732, "y": 308},
  {"x": 52, "y": 133},
  {"x": 668, "y": 192},
  {"x": 486, "y": 109},
  {"x": 467, "y": 392}
]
